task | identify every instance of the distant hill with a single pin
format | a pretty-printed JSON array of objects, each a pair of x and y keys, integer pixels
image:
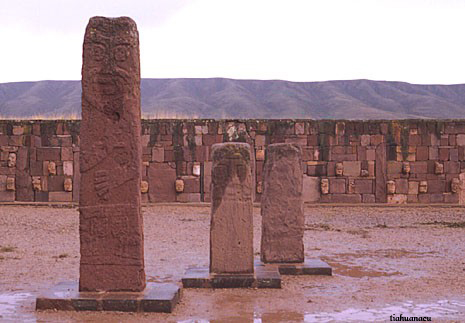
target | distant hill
[{"x": 228, "y": 98}]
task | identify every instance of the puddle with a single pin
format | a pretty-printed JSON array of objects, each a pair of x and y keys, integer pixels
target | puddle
[
  {"x": 387, "y": 253},
  {"x": 12, "y": 303},
  {"x": 359, "y": 272},
  {"x": 443, "y": 309}
]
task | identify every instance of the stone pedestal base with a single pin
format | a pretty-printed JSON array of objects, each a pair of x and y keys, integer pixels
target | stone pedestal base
[
  {"x": 264, "y": 277},
  {"x": 66, "y": 297},
  {"x": 309, "y": 267}
]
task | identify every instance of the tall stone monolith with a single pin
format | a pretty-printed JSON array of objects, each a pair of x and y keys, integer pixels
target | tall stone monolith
[
  {"x": 282, "y": 205},
  {"x": 111, "y": 231},
  {"x": 231, "y": 231}
]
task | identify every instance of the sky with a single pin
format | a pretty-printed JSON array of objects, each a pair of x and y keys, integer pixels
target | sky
[{"x": 415, "y": 41}]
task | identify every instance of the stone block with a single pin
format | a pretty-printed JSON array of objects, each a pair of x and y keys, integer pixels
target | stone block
[
  {"x": 16, "y": 141},
  {"x": 397, "y": 199},
  {"x": 7, "y": 196},
  {"x": 422, "y": 153},
  {"x": 368, "y": 198},
  {"x": 161, "y": 178},
  {"x": 24, "y": 190},
  {"x": 436, "y": 186},
  {"x": 419, "y": 167},
  {"x": 452, "y": 167},
  {"x": 67, "y": 153},
  {"x": 413, "y": 187},
  {"x": 394, "y": 167},
  {"x": 56, "y": 183},
  {"x": 158, "y": 154},
  {"x": 68, "y": 168},
  {"x": 312, "y": 140},
  {"x": 451, "y": 198},
  {"x": 346, "y": 198},
  {"x": 191, "y": 184},
  {"x": 188, "y": 197},
  {"x": 316, "y": 168},
  {"x": 5, "y": 170},
  {"x": 443, "y": 153},
  {"x": 433, "y": 153},
  {"x": 60, "y": 196},
  {"x": 437, "y": 198},
  {"x": 310, "y": 189},
  {"x": 48, "y": 153},
  {"x": 424, "y": 198},
  {"x": 211, "y": 139},
  {"x": 370, "y": 154},
  {"x": 401, "y": 186},
  {"x": 375, "y": 140},
  {"x": 453, "y": 154},
  {"x": 260, "y": 141},
  {"x": 65, "y": 140},
  {"x": 460, "y": 140},
  {"x": 380, "y": 174},
  {"x": 198, "y": 140},
  {"x": 337, "y": 185},
  {"x": 307, "y": 154},
  {"x": 352, "y": 168},
  {"x": 365, "y": 140},
  {"x": 364, "y": 186},
  {"x": 444, "y": 140}
]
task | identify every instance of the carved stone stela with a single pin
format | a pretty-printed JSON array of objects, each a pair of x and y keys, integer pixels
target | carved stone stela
[
  {"x": 231, "y": 231},
  {"x": 282, "y": 205},
  {"x": 111, "y": 231}
]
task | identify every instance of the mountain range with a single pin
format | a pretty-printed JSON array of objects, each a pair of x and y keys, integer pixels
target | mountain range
[{"x": 267, "y": 99}]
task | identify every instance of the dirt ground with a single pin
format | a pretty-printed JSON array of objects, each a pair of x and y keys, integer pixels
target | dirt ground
[{"x": 386, "y": 261}]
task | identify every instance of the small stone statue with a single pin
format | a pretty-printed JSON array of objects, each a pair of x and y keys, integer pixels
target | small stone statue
[
  {"x": 324, "y": 186},
  {"x": 11, "y": 160},
  {"x": 391, "y": 187},
  {"x": 423, "y": 187},
  {"x": 406, "y": 168},
  {"x": 438, "y": 168},
  {"x": 455, "y": 185}
]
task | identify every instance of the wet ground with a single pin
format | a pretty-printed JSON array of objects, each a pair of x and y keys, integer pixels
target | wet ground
[{"x": 386, "y": 261}]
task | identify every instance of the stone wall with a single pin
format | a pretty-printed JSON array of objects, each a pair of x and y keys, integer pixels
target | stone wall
[{"x": 406, "y": 161}]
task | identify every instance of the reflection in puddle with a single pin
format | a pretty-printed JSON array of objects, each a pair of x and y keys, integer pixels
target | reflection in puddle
[
  {"x": 10, "y": 304},
  {"x": 441, "y": 309},
  {"x": 358, "y": 271}
]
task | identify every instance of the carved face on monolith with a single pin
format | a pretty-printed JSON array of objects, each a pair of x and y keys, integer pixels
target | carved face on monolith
[{"x": 112, "y": 256}]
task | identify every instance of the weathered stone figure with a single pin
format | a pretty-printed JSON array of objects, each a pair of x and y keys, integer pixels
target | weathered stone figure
[
  {"x": 282, "y": 205},
  {"x": 231, "y": 231},
  {"x": 111, "y": 232}
]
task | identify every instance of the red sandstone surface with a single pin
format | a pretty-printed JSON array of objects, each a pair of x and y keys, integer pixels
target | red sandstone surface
[
  {"x": 231, "y": 235},
  {"x": 386, "y": 260},
  {"x": 112, "y": 248},
  {"x": 282, "y": 205}
]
